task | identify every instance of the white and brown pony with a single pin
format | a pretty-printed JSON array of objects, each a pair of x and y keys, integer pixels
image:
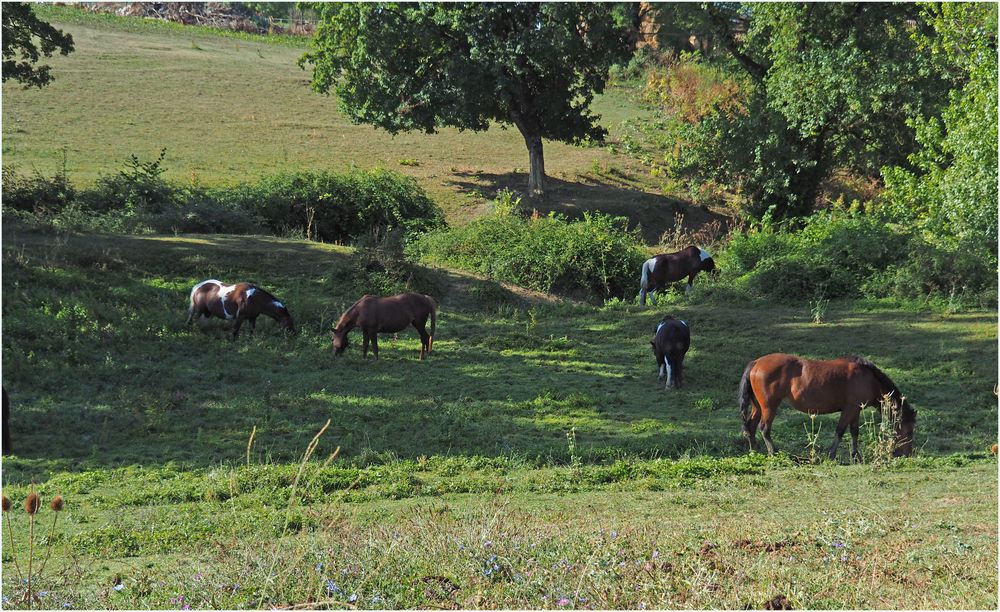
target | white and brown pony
[
  {"x": 387, "y": 314},
  {"x": 659, "y": 271},
  {"x": 240, "y": 302}
]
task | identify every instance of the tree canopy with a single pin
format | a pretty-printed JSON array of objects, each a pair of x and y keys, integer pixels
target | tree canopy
[
  {"x": 423, "y": 66},
  {"x": 21, "y": 53}
]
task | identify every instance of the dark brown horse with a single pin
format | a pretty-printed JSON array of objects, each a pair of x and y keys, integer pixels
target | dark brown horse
[
  {"x": 387, "y": 314},
  {"x": 240, "y": 302},
  {"x": 658, "y": 272},
  {"x": 844, "y": 385},
  {"x": 670, "y": 343}
]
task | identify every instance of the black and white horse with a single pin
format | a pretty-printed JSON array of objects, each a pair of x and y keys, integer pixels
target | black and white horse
[
  {"x": 659, "y": 271},
  {"x": 670, "y": 344}
]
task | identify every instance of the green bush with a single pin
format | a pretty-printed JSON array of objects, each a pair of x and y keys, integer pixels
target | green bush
[
  {"x": 838, "y": 254},
  {"x": 596, "y": 255},
  {"x": 337, "y": 207},
  {"x": 355, "y": 205}
]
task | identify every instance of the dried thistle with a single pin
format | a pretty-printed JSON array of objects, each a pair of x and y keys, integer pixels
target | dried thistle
[
  {"x": 6, "y": 504},
  {"x": 57, "y": 503},
  {"x": 33, "y": 503}
]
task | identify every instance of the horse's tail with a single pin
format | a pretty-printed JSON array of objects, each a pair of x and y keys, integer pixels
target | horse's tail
[
  {"x": 643, "y": 282},
  {"x": 888, "y": 386},
  {"x": 745, "y": 394}
]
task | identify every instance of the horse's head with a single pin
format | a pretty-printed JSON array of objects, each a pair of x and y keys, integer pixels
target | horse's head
[
  {"x": 708, "y": 265},
  {"x": 905, "y": 427},
  {"x": 285, "y": 322},
  {"x": 340, "y": 341}
]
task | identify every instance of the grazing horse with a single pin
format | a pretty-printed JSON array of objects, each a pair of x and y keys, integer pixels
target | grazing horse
[
  {"x": 7, "y": 449},
  {"x": 387, "y": 314},
  {"x": 659, "y": 271},
  {"x": 240, "y": 302},
  {"x": 844, "y": 385},
  {"x": 670, "y": 343}
]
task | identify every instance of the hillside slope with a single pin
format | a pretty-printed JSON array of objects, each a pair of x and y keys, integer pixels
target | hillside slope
[{"x": 228, "y": 110}]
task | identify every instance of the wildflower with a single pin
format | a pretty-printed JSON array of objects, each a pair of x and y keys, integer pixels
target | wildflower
[
  {"x": 488, "y": 543},
  {"x": 198, "y": 576},
  {"x": 331, "y": 587},
  {"x": 376, "y": 599},
  {"x": 843, "y": 557},
  {"x": 614, "y": 534},
  {"x": 43, "y": 593},
  {"x": 33, "y": 503},
  {"x": 838, "y": 544},
  {"x": 319, "y": 567},
  {"x": 57, "y": 503},
  {"x": 563, "y": 602},
  {"x": 656, "y": 554},
  {"x": 67, "y": 605},
  {"x": 186, "y": 607},
  {"x": 119, "y": 586},
  {"x": 353, "y": 598},
  {"x": 6, "y": 504}
]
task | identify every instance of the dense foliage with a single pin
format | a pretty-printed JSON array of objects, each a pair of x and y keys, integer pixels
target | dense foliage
[
  {"x": 21, "y": 29},
  {"x": 950, "y": 190},
  {"x": 810, "y": 88},
  {"x": 324, "y": 206},
  {"x": 422, "y": 66},
  {"x": 596, "y": 255}
]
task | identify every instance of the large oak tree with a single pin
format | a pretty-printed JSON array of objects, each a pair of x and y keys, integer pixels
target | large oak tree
[{"x": 424, "y": 66}]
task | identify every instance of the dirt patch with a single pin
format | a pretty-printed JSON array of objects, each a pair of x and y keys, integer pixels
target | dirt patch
[{"x": 778, "y": 602}]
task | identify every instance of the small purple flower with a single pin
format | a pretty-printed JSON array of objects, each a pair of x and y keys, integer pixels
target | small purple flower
[
  {"x": 838, "y": 544},
  {"x": 319, "y": 567},
  {"x": 614, "y": 534},
  {"x": 656, "y": 554},
  {"x": 119, "y": 586},
  {"x": 843, "y": 557},
  {"x": 353, "y": 598},
  {"x": 331, "y": 587},
  {"x": 43, "y": 593},
  {"x": 488, "y": 543},
  {"x": 376, "y": 599},
  {"x": 563, "y": 602},
  {"x": 198, "y": 576},
  {"x": 642, "y": 605},
  {"x": 186, "y": 607},
  {"x": 67, "y": 605}
]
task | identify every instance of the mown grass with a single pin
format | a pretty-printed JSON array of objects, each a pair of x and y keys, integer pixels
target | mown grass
[{"x": 230, "y": 109}]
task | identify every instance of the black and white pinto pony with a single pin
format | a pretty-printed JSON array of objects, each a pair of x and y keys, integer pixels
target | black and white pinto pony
[
  {"x": 240, "y": 302},
  {"x": 670, "y": 344},
  {"x": 659, "y": 271}
]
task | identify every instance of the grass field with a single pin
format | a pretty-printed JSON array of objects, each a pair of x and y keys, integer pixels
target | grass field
[
  {"x": 537, "y": 425},
  {"x": 230, "y": 109},
  {"x": 533, "y": 461}
]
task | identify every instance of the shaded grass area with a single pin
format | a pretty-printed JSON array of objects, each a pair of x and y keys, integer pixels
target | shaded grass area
[
  {"x": 104, "y": 373},
  {"x": 233, "y": 109},
  {"x": 817, "y": 536}
]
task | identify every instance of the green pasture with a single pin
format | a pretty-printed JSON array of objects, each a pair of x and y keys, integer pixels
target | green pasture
[{"x": 537, "y": 423}]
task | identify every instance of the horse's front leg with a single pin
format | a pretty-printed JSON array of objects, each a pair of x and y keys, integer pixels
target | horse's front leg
[
  {"x": 364, "y": 332},
  {"x": 855, "y": 430},
  {"x": 845, "y": 420},
  {"x": 690, "y": 284},
  {"x": 236, "y": 327},
  {"x": 253, "y": 324},
  {"x": 375, "y": 344}
]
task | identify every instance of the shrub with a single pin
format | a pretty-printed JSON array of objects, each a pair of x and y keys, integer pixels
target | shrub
[
  {"x": 838, "y": 254},
  {"x": 596, "y": 254},
  {"x": 337, "y": 207},
  {"x": 36, "y": 194}
]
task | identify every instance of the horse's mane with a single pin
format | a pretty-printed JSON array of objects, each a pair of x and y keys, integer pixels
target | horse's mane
[{"x": 886, "y": 382}]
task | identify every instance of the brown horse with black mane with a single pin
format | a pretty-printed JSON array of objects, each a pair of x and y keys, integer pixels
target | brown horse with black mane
[
  {"x": 387, "y": 314},
  {"x": 659, "y": 271},
  {"x": 844, "y": 385},
  {"x": 240, "y": 302}
]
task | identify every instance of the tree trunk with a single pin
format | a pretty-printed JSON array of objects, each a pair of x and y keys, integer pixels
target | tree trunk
[
  {"x": 536, "y": 159},
  {"x": 536, "y": 174}
]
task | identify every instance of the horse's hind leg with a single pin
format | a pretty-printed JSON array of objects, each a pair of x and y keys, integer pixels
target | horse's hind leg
[
  {"x": 364, "y": 343},
  {"x": 750, "y": 428},
  {"x": 425, "y": 348},
  {"x": 375, "y": 344},
  {"x": 765, "y": 430}
]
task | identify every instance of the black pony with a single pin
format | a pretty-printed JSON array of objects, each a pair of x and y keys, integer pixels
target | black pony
[{"x": 670, "y": 344}]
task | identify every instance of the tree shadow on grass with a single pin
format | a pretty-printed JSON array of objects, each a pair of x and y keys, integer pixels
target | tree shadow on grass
[{"x": 611, "y": 192}]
